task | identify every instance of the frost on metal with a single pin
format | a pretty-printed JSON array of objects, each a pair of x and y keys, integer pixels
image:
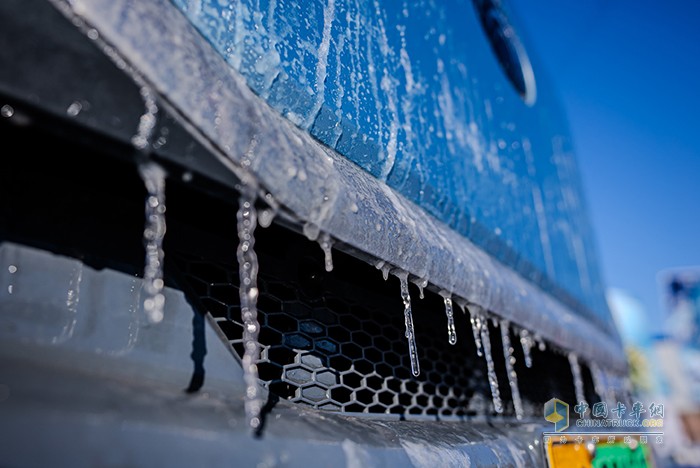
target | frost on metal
[
  {"x": 404, "y": 93},
  {"x": 446, "y": 118}
]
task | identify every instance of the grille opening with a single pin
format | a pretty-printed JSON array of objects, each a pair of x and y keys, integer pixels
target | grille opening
[{"x": 331, "y": 341}]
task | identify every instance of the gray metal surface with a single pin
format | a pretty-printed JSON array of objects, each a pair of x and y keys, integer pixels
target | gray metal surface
[{"x": 315, "y": 184}]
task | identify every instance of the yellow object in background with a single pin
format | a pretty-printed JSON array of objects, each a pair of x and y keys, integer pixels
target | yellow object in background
[{"x": 597, "y": 451}]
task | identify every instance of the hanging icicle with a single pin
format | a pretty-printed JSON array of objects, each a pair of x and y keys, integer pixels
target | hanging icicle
[
  {"x": 510, "y": 369},
  {"x": 267, "y": 214},
  {"x": 449, "y": 313},
  {"x": 248, "y": 291},
  {"x": 421, "y": 283},
  {"x": 527, "y": 343},
  {"x": 578, "y": 379},
  {"x": 147, "y": 122},
  {"x": 408, "y": 319},
  {"x": 384, "y": 268},
  {"x": 153, "y": 177},
  {"x": 491, "y": 368},
  {"x": 154, "y": 232},
  {"x": 476, "y": 319},
  {"x": 326, "y": 243}
]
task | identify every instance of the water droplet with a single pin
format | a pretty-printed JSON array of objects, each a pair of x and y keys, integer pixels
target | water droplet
[
  {"x": 408, "y": 320},
  {"x": 7, "y": 111},
  {"x": 12, "y": 269},
  {"x": 74, "y": 109}
]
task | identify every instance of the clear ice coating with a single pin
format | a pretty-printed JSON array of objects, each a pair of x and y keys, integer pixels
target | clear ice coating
[
  {"x": 326, "y": 243},
  {"x": 527, "y": 342},
  {"x": 491, "y": 368},
  {"x": 476, "y": 320},
  {"x": 153, "y": 177},
  {"x": 578, "y": 380},
  {"x": 248, "y": 291},
  {"x": 394, "y": 87},
  {"x": 449, "y": 312},
  {"x": 510, "y": 369},
  {"x": 408, "y": 319}
]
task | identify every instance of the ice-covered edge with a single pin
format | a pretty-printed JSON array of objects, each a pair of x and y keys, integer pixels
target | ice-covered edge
[{"x": 317, "y": 184}]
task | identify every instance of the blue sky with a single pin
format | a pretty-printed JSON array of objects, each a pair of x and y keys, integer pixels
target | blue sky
[{"x": 628, "y": 73}]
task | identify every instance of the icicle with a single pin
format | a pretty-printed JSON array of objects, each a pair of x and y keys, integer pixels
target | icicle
[
  {"x": 408, "y": 318},
  {"x": 154, "y": 179},
  {"x": 578, "y": 380},
  {"x": 384, "y": 267},
  {"x": 421, "y": 283},
  {"x": 527, "y": 343},
  {"x": 266, "y": 217},
  {"x": 268, "y": 214},
  {"x": 325, "y": 241},
  {"x": 510, "y": 369},
  {"x": 147, "y": 123},
  {"x": 541, "y": 345},
  {"x": 476, "y": 321},
  {"x": 451, "y": 332},
  {"x": 248, "y": 291},
  {"x": 493, "y": 379}
]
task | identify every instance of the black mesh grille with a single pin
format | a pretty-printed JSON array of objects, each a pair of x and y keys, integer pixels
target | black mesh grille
[{"x": 345, "y": 352}]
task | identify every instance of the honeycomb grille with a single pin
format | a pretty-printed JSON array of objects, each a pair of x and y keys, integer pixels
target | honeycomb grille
[{"x": 340, "y": 349}]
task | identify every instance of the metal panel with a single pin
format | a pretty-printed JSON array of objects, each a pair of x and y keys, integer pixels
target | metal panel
[
  {"x": 319, "y": 186},
  {"x": 412, "y": 93}
]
